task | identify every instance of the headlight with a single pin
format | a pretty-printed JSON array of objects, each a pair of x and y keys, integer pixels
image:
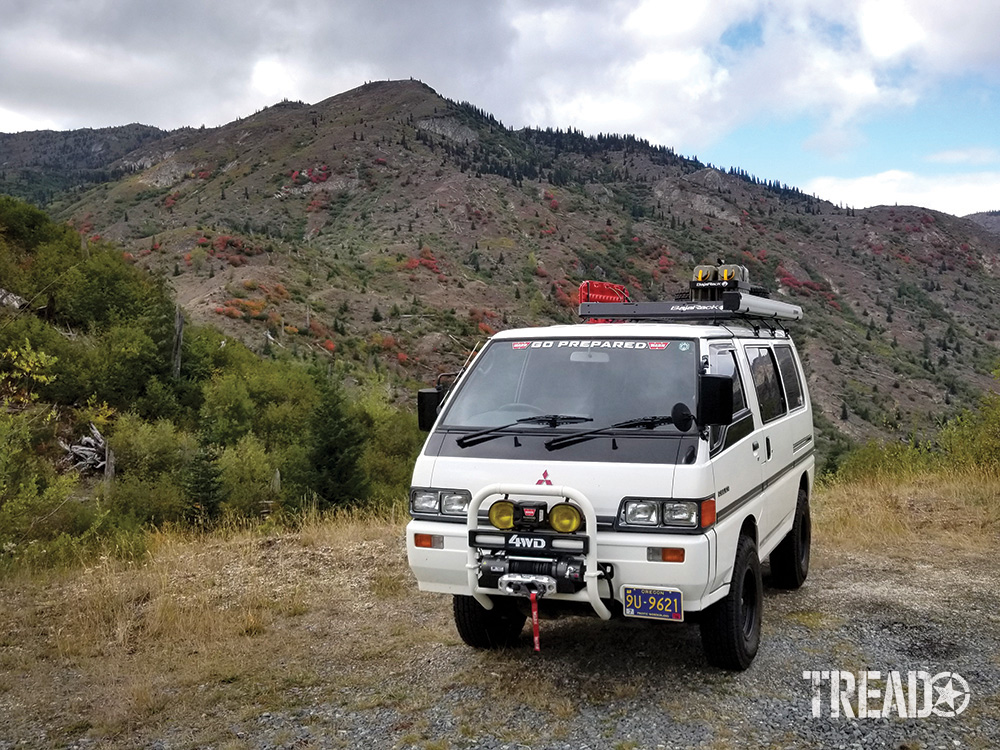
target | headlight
[
  {"x": 423, "y": 501},
  {"x": 680, "y": 514},
  {"x": 565, "y": 518},
  {"x": 666, "y": 513},
  {"x": 642, "y": 512},
  {"x": 455, "y": 503},
  {"x": 449, "y": 502}
]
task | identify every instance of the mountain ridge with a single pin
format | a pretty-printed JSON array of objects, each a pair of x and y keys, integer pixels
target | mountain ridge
[{"x": 395, "y": 227}]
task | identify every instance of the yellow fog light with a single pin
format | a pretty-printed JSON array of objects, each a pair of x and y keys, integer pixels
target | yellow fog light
[
  {"x": 565, "y": 518},
  {"x": 502, "y": 514}
]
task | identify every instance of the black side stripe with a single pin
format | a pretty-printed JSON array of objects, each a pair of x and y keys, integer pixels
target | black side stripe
[{"x": 759, "y": 489}]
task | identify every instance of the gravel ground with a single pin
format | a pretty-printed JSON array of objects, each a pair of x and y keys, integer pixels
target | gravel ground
[{"x": 628, "y": 684}]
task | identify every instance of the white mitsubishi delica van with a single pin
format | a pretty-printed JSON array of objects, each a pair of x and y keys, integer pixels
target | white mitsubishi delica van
[{"x": 642, "y": 465}]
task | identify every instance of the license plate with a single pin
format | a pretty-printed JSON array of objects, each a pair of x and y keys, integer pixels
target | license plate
[{"x": 652, "y": 603}]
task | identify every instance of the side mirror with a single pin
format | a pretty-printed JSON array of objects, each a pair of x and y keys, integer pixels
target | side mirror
[
  {"x": 715, "y": 400},
  {"x": 681, "y": 417},
  {"x": 428, "y": 403}
]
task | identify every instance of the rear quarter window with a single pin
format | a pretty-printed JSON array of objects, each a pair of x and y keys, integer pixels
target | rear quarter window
[
  {"x": 764, "y": 371},
  {"x": 790, "y": 377}
]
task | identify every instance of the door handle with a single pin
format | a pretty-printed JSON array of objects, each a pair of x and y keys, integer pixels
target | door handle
[{"x": 767, "y": 442}]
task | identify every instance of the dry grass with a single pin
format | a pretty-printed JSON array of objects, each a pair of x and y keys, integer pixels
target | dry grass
[
  {"x": 205, "y": 626},
  {"x": 209, "y": 631},
  {"x": 959, "y": 509}
]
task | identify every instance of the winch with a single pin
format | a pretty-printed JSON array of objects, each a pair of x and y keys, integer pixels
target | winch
[{"x": 562, "y": 575}]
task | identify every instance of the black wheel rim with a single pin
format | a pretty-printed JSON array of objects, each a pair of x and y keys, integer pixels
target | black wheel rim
[
  {"x": 805, "y": 538},
  {"x": 748, "y": 605}
]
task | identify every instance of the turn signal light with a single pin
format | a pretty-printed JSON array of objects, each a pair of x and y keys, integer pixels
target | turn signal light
[
  {"x": 707, "y": 513},
  {"x": 428, "y": 541},
  {"x": 565, "y": 518},
  {"x": 665, "y": 554},
  {"x": 502, "y": 514}
]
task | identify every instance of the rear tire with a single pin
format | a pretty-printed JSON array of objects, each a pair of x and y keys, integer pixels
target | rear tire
[
  {"x": 499, "y": 627},
  {"x": 730, "y": 628},
  {"x": 790, "y": 559}
]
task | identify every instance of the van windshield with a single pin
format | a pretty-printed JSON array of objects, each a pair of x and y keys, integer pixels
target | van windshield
[{"x": 605, "y": 381}]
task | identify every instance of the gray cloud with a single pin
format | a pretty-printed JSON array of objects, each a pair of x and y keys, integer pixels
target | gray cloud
[{"x": 661, "y": 70}]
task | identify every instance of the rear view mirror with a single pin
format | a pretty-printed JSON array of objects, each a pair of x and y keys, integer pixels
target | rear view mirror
[
  {"x": 715, "y": 400},
  {"x": 428, "y": 403}
]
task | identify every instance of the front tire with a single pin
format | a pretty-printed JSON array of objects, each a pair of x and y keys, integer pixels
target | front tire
[
  {"x": 730, "y": 628},
  {"x": 790, "y": 559},
  {"x": 499, "y": 627}
]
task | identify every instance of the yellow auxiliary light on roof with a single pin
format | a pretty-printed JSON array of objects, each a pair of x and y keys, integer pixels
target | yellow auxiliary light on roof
[{"x": 704, "y": 273}]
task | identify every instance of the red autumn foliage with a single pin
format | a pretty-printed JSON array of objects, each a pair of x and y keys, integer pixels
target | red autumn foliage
[{"x": 229, "y": 312}]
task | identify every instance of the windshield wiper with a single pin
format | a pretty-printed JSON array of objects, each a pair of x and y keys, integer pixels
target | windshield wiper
[
  {"x": 680, "y": 416},
  {"x": 552, "y": 420}
]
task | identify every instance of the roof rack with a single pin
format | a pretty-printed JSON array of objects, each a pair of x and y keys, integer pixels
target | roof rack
[
  {"x": 733, "y": 305},
  {"x": 716, "y": 294}
]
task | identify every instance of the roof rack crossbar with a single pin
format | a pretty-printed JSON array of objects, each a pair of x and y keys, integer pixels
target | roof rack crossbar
[{"x": 734, "y": 305}]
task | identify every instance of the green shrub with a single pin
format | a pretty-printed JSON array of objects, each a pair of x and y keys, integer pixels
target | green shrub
[
  {"x": 144, "y": 450},
  {"x": 246, "y": 472},
  {"x": 887, "y": 460},
  {"x": 973, "y": 438},
  {"x": 137, "y": 502},
  {"x": 391, "y": 444}
]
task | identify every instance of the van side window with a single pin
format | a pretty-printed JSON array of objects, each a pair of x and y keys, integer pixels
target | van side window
[
  {"x": 764, "y": 371},
  {"x": 722, "y": 360},
  {"x": 789, "y": 376}
]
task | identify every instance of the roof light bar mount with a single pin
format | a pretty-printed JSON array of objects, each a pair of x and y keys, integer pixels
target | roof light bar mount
[{"x": 717, "y": 294}]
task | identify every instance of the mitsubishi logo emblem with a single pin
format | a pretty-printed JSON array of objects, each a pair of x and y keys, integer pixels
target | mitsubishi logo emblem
[{"x": 545, "y": 478}]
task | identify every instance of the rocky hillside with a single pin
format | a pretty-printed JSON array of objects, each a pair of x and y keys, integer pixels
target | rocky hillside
[
  {"x": 987, "y": 219},
  {"x": 391, "y": 228},
  {"x": 43, "y": 165}
]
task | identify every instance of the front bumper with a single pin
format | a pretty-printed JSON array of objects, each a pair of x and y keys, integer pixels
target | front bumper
[{"x": 454, "y": 569}]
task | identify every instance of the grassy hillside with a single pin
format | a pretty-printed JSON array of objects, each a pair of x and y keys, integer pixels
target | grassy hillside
[
  {"x": 116, "y": 415},
  {"x": 398, "y": 228}
]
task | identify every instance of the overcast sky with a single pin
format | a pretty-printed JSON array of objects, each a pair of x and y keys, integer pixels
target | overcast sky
[{"x": 862, "y": 102}]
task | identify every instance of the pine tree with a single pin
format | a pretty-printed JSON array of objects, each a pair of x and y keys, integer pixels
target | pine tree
[
  {"x": 336, "y": 451},
  {"x": 202, "y": 486}
]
